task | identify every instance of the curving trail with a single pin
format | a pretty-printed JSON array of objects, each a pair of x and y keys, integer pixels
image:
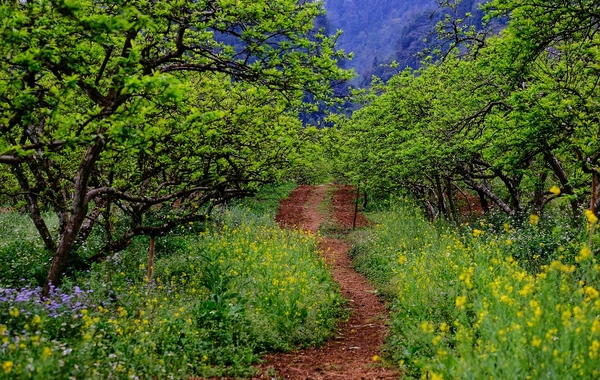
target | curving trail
[{"x": 350, "y": 355}]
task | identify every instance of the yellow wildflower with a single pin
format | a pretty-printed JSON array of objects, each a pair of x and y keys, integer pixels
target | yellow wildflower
[
  {"x": 584, "y": 254},
  {"x": 122, "y": 311},
  {"x": 427, "y": 327},
  {"x": 435, "y": 376},
  {"x": 444, "y": 327},
  {"x": 46, "y": 352},
  {"x": 14, "y": 312},
  {"x": 461, "y": 301},
  {"x": 7, "y": 366},
  {"x": 591, "y": 217},
  {"x": 555, "y": 190},
  {"x": 375, "y": 358},
  {"x": 594, "y": 349},
  {"x": 591, "y": 292},
  {"x": 534, "y": 219},
  {"x": 477, "y": 232}
]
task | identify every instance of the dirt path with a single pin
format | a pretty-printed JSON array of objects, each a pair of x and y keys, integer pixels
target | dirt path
[{"x": 353, "y": 353}]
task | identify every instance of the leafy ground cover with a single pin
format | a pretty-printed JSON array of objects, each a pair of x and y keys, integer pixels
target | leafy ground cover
[
  {"x": 222, "y": 293},
  {"x": 487, "y": 299}
]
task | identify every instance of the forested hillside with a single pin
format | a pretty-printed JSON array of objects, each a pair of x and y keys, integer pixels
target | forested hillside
[{"x": 379, "y": 31}]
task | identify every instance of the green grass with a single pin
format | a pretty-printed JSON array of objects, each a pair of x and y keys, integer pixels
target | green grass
[
  {"x": 484, "y": 300},
  {"x": 23, "y": 258},
  {"x": 219, "y": 299}
]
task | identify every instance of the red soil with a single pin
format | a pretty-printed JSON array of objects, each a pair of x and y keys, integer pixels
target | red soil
[
  {"x": 344, "y": 205},
  {"x": 353, "y": 353},
  {"x": 469, "y": 205}
]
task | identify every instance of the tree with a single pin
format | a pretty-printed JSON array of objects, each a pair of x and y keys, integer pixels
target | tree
[
  {"x": 135, "y": 104},
  {"x": 512, "y": 118}
]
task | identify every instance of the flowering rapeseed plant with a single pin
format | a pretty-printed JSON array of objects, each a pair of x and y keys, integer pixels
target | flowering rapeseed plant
[
  {"x": 534, "y": 219},
  {"x": 497, "y": 315},
  {"x": 218, "y": 299},
  {"x": 591, "y": 217}
]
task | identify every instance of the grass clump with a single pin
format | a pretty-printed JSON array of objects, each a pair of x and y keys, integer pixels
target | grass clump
[
  {"x": 219, "y": 298},
  {"x": 467, "y": 304}
]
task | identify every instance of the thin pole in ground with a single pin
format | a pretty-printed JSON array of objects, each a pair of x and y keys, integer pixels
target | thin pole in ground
[
  {"x": 356, "y": 206},
  {"x": 150, "y": 261}
]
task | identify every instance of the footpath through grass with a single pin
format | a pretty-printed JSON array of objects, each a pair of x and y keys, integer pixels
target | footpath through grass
[
  {"x": 489, "y": 300},
  {"x": 222, "y": 294}
]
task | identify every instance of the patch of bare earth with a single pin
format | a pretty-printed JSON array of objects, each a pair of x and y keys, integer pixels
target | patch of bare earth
[
  {"x": 343, "y": 207},
  {"x": 353, "y": 352}
]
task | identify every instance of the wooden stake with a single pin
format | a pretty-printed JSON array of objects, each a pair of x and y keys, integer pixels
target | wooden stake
[
  {"x": 592, "y": 207},
  {"x": 150, "y": 260},
  {"x": 356, "y": 206},
  {"x": 593, "y": 197}
]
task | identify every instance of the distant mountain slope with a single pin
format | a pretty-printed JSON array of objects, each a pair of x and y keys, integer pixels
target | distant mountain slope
[{"x": 379, "y": 31}]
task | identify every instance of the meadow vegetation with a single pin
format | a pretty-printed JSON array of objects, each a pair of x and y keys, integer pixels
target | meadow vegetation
[
  {"x": 222, "y": 293},
  {"x": 494, "y": 298}
]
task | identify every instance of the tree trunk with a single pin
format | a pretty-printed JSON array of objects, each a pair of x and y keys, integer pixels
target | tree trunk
[
  {"x": 488, "y": 193},
  {"x": 538, "y": 195},
  {"x": 467, "y": 200},
  {"x": 441, "y": 199},
  {"x": 431, "y": 215},
  {"x": 59, "y": 261},
  {"x": 78, "y": 214},
  {"x": 512, "y": 187},
  {"x": 450, "y": 192},
  {"x": 485, "y": 206}
]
